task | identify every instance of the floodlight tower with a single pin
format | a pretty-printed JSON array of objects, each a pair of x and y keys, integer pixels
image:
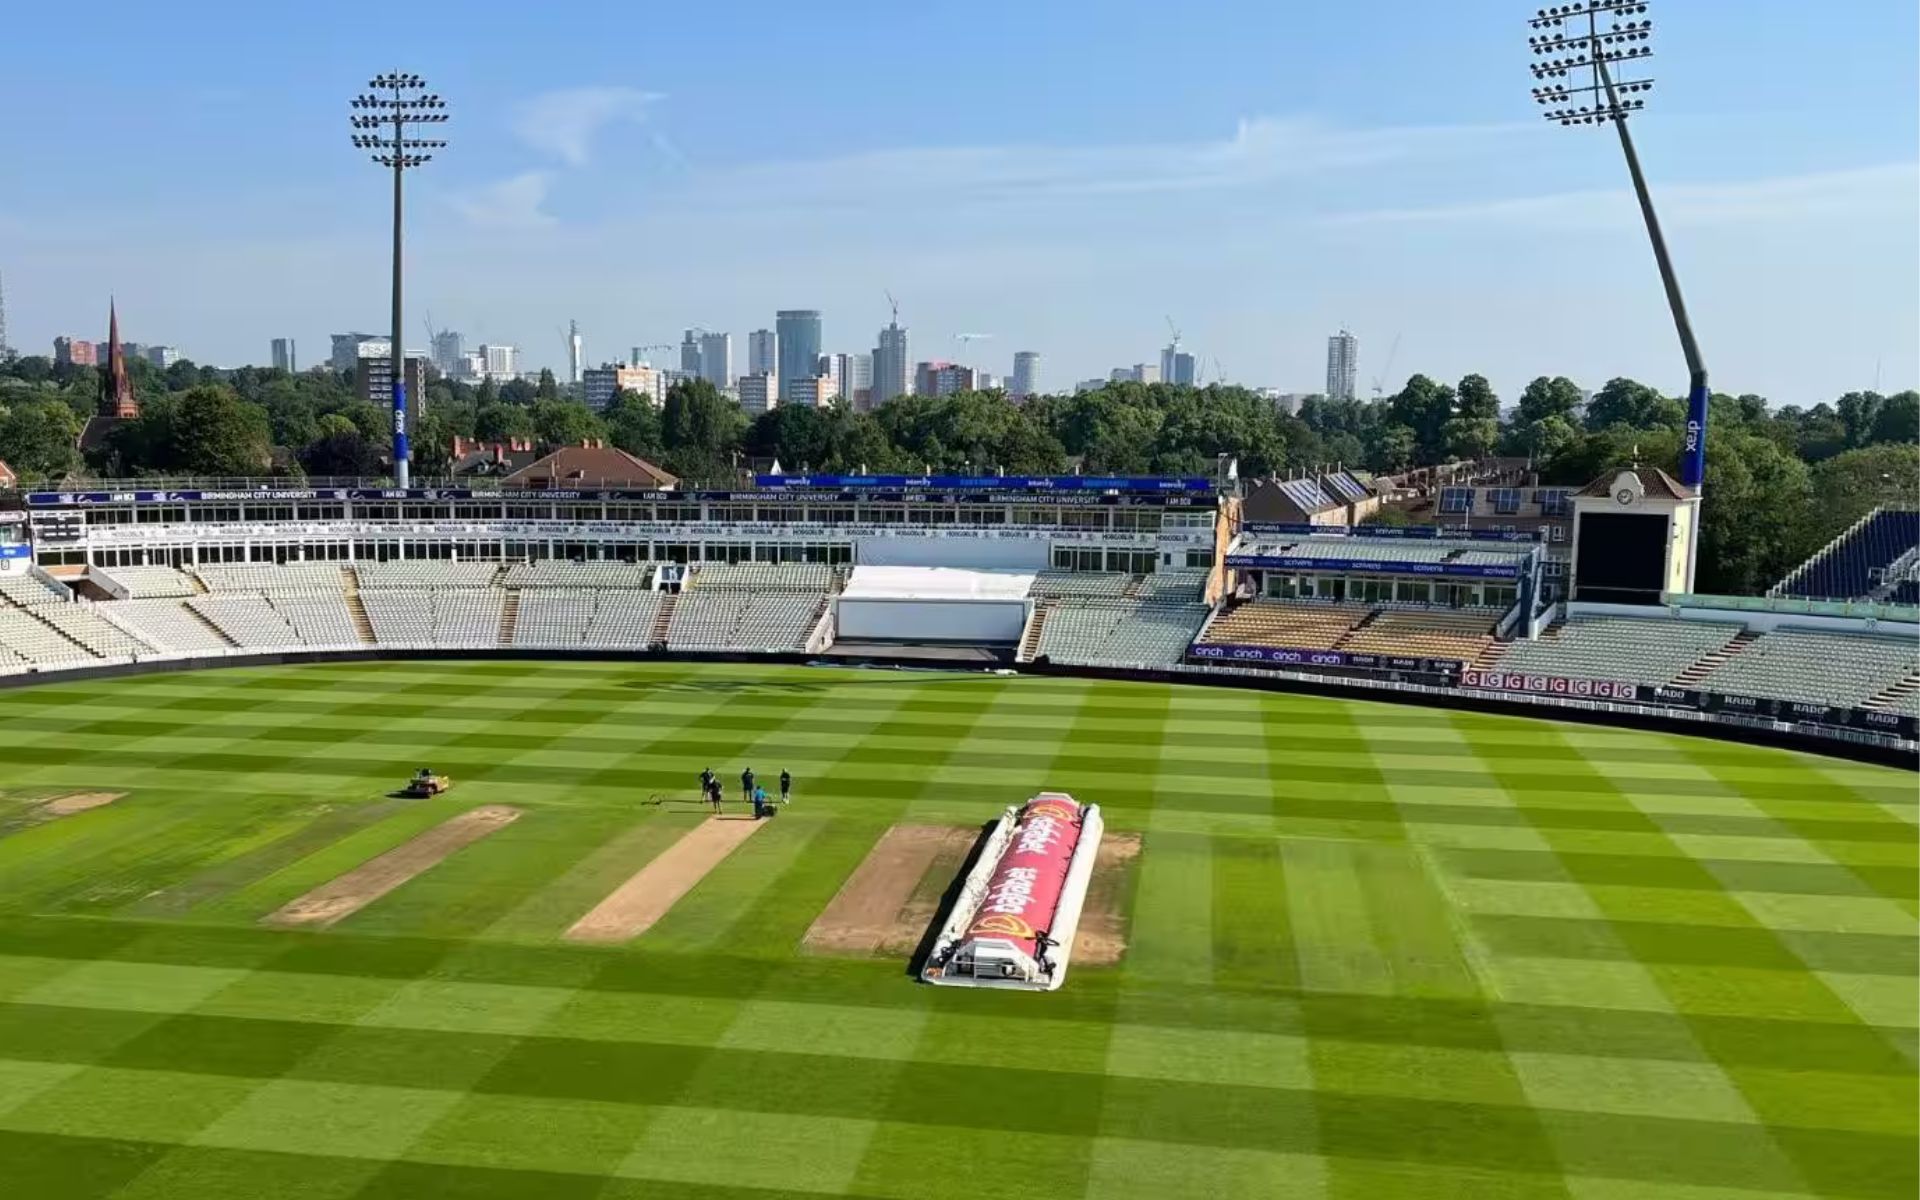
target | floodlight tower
[
  {"x": 390, "y": 104},
  {"x": 1577, "y": 48}
]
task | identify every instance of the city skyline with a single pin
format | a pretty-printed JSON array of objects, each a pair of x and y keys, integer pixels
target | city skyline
[{"x": 1262, "y": 208}]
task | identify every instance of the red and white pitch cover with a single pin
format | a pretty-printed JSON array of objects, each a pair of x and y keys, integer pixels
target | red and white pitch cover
[{"x": 1024, "y": 892}]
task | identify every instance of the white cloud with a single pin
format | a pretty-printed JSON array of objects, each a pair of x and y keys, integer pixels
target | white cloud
[
  {"x": 1826, "y": 194},
  {"x": 1260, "y": 149},
  {"x": 513, "y": 203},
  {"x": 563, "y": 123}
]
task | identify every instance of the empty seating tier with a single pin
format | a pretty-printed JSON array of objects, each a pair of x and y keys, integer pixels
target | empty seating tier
[
  {"x": 1146, "y": 635},
  {"x": 1087, "y": 584},
  {"x": 1821, "y": 668},
  {"x": 272, "y": 577},
  {"x": 37, "y": 642},
  {"x": 96, "y": 633},
  {"x": 151, "y": 583},
  {"x": 1462, "y": 636},
  {"x": 30, "y": 590},
  {"x": 426, "y": 573},
  {"x": 549, "y": 573},
  {"x": 319, "y": 620},
  {"x": 247, "y": 619},
  {"x": 1646, "y": 651},
  {"x": 455, "y": 617},
  {"x": 1850, "y": 567},
  {"x": 1172, "y": 587},
  {"x": 1289, "y": 626},
  {"x": 606, "y": 616},
  {"x": 169, "y": 625},
  {"x": 764, "y": 577}
]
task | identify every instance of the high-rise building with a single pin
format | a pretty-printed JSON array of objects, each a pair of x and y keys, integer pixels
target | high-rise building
[
  {"x": 892, "y": 370},
  {"x": 854, "y": 374},
  {"x": 346, "y": 350},
  {"x": 827, "y": 367},
  {"x": 576, "y": 353},
  {"x": 598, "y": 385},
  {"x": 807, "y": 391},
  {"x": 1343, "y": 366},
  {"x": 162, "y": 356},
  {"x": 757, "y": 393},
  {"x": 716, "y": 359},
  {"x": 1177, "y": 367},
  {"x": 798, "y": 352},
  {"x": 942, "y": 379},
  {"x": 373, "y": 380},
  {"x": 690, "y": 353},
  {"x": 449, "y": 353},
  {"x": 1137, "y": 373},
  {"x": 499, "y": 362},
  {"x": 1026, "y": 375},
  {"x": 283, "y": 356},
  {"x": 74, "y": 351},
  {"x": 763, "y": 351}
]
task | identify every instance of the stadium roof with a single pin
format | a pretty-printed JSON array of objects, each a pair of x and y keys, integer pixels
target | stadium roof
[{"x": 1659, "y": 485}]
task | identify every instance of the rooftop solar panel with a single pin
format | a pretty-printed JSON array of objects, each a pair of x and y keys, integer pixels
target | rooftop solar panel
[
  {"x": 1553, "y": 503},
  {"x": 1456, "y": 500},
  {"x": 1305, "y": 493},
  {"x": 1506, "y": 501},
  {"x": 1346, "y": 486}
]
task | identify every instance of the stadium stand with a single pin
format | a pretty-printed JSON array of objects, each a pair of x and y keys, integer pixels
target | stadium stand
[
  {"x": 1462, "y": 636},
  {"x": 426, "y": 573},
  {"x": 1119, "y": 634},
  {"x": 319, "y": 618},
  {"x": 96, "y": 633},
  {"x": 609, "y": 616},
  {"x": 1111, "y": 585},
  {"x": 29, "y": 591},
  {"x": 460, "y": 617},
  {"x": 750, "y": 606},
  {"x": 1648, "y": 651},
  {"x": 1851, "y": 566},
  {"x": 272, "y": 577},
  {"x": 168, "y": 625},
  {"x": 246, "y": 619},
  {"x": 778, "y": 577},
  {"x": 1822, "y": 668},
  {"x": 152, "y": 583},
  {"x": 1301, "y": 626},
  {"x": 549, "y": 573},
  {"x": 37, "y": 642}
]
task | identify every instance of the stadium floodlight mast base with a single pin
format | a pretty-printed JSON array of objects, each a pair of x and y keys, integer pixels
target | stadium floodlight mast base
[
  {"x": 1577, "y": 48},
  {"x": 391, "y": 103}
]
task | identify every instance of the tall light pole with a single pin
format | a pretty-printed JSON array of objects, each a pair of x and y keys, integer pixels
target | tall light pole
[
  {"x": 382, "y": 113},
  {"x": 1578, "y": 47}
]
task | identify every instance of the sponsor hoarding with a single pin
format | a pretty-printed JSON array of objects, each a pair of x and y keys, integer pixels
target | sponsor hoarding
[
  {"x": 1291, "y": 562},
  {"x": 1551, "y": 685},
  {"x": 1285, "y": 656},
  {"x": 1401, "y": 532}
]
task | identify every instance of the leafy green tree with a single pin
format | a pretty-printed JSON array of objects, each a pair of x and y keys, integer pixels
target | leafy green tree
[
  {"x": 1625, "y": 402},
  {"x": 342, "y": 452},
  {"x": 1475, "y": 400},
  {"x": 31, "y": 368},
  {"x": 1898, "y": 420},
  {"x": 1544, "y": 397},
  {"x": 565, "y": 423},
  {"x": 487, "y": 394},
  {"x": 700, "y": 431},
  {"x": 519, "y": 391},
  {"x": 335, "y": 424},
  {"x": 1849, "y": 485},
  {"x": 499, "y": 421},
  {"x": 547, "y": 388},
  {"x": 218, "y": 435},
  {"x": 1392, "y": 448},
  {"x": 38, "y": 439},
  {"x": 1424, "y": 407},
  {"x": 1752, "y": 520},
  {"x": 633, "y": 424},
  {"x": 1860, "y": 413},
  {"x": 1470, "y": 437}
]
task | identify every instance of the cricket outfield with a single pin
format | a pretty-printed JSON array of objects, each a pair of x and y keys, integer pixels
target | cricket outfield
[{"x": 1344, "y": 949}]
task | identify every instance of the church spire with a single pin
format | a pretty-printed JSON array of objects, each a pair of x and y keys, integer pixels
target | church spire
[{"x": 116, "y": 390}]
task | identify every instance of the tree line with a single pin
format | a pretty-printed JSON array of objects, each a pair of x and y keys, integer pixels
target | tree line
[{"x": 1780, "y": 482}]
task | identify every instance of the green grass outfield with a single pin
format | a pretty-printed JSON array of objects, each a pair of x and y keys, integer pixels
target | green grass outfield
[{"x": 1375, "y": 951}]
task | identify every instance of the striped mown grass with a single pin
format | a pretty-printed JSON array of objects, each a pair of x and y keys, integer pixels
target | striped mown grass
[{"x": 1372, "y": 951}]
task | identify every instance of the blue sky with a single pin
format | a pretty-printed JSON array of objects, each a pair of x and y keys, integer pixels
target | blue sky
[{"x": 1062, "y": 176}]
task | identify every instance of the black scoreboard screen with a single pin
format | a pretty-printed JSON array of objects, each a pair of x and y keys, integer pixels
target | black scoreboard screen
[{"x": 1621, "y": 558}]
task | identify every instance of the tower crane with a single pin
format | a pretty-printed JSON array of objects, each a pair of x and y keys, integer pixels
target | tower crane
[{"x": 1380, "y": 380}]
